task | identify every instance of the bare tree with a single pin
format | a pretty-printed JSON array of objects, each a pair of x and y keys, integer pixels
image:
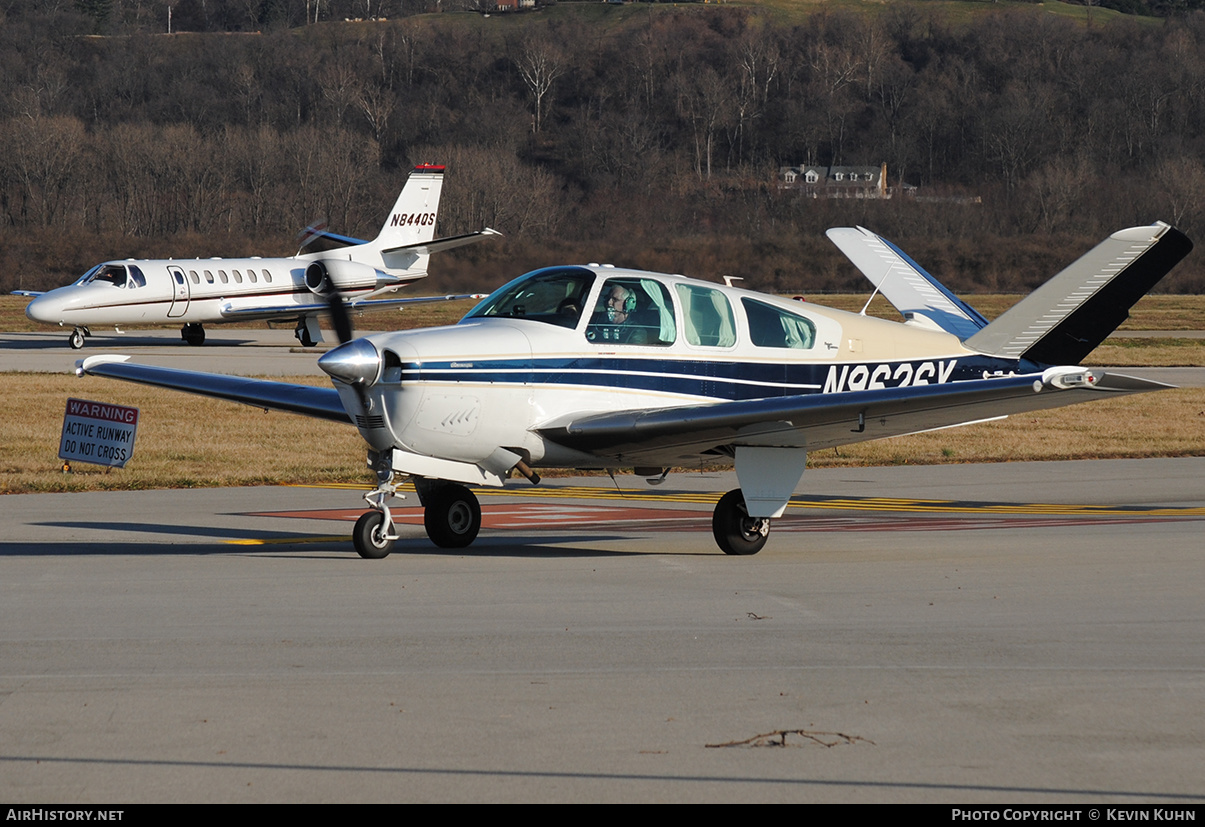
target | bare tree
[{"x": 539, "y": 64}]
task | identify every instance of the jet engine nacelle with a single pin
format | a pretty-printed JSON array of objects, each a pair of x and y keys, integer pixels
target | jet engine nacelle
[{"x": 323, "y": 276}]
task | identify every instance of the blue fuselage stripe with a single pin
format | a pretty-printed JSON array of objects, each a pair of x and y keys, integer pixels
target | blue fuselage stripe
[{"x": 719, "y": 380}]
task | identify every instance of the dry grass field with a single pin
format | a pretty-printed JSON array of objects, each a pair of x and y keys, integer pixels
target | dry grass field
[{"x": 186, "y": 441}]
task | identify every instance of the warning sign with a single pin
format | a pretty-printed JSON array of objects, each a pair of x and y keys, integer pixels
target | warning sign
[{"x": 98, "y": 432}]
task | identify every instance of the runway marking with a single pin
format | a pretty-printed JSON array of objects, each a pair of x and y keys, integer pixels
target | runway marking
[{"x": 907, "y": 504}]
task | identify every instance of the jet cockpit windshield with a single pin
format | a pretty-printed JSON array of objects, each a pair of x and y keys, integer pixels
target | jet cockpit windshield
[
  {"x": 554, "y": 295},
  {"x": 119, "y": 275}
]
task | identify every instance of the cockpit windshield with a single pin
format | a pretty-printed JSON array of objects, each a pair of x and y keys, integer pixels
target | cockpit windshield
[
  {"x": 119, "y": 275},
  {"x": 554, "y": 295}
]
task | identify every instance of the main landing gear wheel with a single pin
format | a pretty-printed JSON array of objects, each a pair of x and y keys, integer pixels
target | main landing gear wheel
[
  {"x": 452, "y": 517},
  {"x": 193, "y": 333},
  {"x": 735, "y": 531},
  {"x": 369, "y": 536},
  {"x": 303, "y": 335},
  {"x": 77, "y": 338}
]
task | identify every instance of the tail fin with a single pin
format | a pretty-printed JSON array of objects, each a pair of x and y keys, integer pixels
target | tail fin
[
  {"x": 412, "y": 219},
  {"x": 1067, "y": 317},
  {"x": 916, "y": 294}
]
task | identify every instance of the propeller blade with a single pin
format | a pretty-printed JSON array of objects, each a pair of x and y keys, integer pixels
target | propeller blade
[{"x": 340, "y": 318}]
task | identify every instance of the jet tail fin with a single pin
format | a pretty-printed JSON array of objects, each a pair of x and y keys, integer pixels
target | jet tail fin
[
  {"x": 1064, "y": 320},
  {"x": 412, "y": 219},
  {"x": 915, "y": 293}
]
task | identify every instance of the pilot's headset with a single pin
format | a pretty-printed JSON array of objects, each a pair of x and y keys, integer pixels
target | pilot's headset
[{"x": 629, "y": 304}]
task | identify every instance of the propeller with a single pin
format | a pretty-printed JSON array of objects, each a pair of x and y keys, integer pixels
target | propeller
[{"x": 340, "y": 318}]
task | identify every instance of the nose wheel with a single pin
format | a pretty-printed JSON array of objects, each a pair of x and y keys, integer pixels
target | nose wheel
[
  {"x": 370, "y": 537},
  {"x": 735, "y": 531},
  {"x": 77, "y": 337},
  {"x": 374, "y": 534}
]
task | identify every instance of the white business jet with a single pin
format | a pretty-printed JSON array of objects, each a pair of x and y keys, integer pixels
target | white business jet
[
  {"x": 300, "y": 288},
  {"x": 600, "y": 367}
]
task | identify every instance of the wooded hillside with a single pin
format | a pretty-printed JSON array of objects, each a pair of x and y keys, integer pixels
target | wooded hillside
[{"x": 647, "y": 135}]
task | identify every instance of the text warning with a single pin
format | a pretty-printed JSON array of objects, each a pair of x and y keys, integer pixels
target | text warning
[{"x": 98, "y": 432}]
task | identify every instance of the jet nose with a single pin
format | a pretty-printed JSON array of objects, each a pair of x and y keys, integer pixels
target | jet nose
[
  {"x": 46, "y": 309},
  {"x": 356, "y": 363}
]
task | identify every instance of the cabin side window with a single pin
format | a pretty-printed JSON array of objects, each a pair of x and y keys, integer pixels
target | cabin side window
[
  {"x": 192, "y": 274},
  {"x": 771, "y": 326},
  {"x": 633, "y": 311},
  {"x": 137, "y": 279},
  {"x": 238, "y": 277},
  {"x": 267, "y": 275},
  {"x": 706, "y": 316}
]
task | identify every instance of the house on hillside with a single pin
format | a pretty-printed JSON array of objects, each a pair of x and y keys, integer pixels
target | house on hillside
[
  {"x": 513, "y": 5},
  {"x": 836, "y": 181}
]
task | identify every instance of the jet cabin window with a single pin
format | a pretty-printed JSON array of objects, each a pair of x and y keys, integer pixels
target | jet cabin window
[
  {"x": 553, "y": 296},
  {"x": 771, "y": 326},
  {"x": 633, "y": 311}
]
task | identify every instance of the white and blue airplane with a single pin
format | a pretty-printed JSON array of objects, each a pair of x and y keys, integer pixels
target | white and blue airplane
[
  {"x": 297, "y": 289},
  {"x": 600, "y": 367}
]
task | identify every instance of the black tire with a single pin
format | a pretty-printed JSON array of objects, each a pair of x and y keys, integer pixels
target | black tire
[
  {"x": 193, "y": 334},
  {"x": 452, "y": 517},
  {"x": 735, "y": 531},
  {"x": 76, "y": 339},
  {"x": 367, "y": 536}
]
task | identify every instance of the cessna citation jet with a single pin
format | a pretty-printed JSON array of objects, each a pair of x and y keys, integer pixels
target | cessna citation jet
[
  {"x": 301, "y": 288},
  {"x": 600, "y": 367}
]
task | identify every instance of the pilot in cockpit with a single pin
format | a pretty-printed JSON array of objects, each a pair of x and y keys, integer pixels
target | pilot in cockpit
[
  {"x": 612, "y": 321},
  {"x": 113, "y": 274}
]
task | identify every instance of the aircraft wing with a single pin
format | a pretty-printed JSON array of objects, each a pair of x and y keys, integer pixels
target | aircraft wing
[
  {"x": 816, "y": 421},
  {"x": 912, "y": 290},
  {"x": 308, "y": 400},
  {"x": 295, "y": 311},
  {"x": 440, "y": 244},
  {"x": 30, "y": 293}
]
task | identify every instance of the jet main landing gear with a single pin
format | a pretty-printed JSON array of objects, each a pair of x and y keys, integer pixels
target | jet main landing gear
[{"x": 193, "y": 333}]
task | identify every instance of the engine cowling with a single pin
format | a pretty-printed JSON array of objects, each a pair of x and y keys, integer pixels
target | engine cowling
[{"x": 323, "y": 276}]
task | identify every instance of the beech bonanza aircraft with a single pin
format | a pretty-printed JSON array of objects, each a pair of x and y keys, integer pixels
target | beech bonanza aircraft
[
  {"x": 201, "y": 291},
  {"x": 600, "y": 367}
]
